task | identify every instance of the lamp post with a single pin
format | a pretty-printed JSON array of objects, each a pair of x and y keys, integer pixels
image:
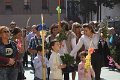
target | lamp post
[
  {"x": 97, "y": 10},
  {"x": 66, "y": 8},
  {"x": 100, "y": 10}
]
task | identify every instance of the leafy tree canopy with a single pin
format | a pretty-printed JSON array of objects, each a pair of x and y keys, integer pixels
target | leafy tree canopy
[{"x": 110, "y": 3}]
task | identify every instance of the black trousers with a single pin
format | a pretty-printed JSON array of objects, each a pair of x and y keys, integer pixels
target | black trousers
[
  {"x": 96, "y": 61},
  {"x": 66, "y": 76},
  {"x": 48, "y": 71},
  {"x": 25, "y": 59}
]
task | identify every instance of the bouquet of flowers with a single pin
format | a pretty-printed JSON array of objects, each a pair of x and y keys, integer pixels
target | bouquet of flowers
[
  {"x": 69, "y": 61},
  {"x": 88, "y": 59}
]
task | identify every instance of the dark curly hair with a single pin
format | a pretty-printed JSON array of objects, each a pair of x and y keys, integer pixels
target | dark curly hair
[
  {"x": 16, "y": 30},
  {"x": 52, "y": 27},
  {"x": 65, "y": 25}
]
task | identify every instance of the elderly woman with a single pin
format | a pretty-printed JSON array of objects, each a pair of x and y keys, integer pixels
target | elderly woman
[
  {"x": 77, "y": 28},
  {"x": 67, "y": 46},
  {"x": 8, "y": 56},
  {"x": 12, "y": 26}
]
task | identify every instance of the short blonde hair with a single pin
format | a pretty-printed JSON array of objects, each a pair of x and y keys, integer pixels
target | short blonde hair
[
  {"x": 3, "y": 27},
  {"x": 76, "y": 25}
]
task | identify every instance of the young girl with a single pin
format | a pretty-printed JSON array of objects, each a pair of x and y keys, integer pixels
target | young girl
[
  {"x": 82, "y": 75},
  {"x": 113, "y": 63},
  {"x": 55, "y": 62}
]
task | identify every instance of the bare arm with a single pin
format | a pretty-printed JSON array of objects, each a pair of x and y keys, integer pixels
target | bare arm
[
  {"x": 77, "y": 47},
  {"x": 118, "y": 66},
  {"x": 92, "y": 72}
]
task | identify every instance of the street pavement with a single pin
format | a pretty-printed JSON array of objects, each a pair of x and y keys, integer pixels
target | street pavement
[{"x": 106, "y": 74}]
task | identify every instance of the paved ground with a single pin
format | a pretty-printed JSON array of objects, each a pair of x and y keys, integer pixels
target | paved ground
[{"x": 106, "y": 74}]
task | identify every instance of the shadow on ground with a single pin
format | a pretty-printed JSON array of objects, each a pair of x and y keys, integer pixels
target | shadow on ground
[{"x": 103, "y": 79}]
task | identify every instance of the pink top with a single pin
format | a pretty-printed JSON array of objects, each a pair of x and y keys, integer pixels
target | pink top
[{"x": 81, "y": 73}]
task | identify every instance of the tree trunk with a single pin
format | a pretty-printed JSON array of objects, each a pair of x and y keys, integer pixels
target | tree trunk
[
  {"x": 100, "y": 10},
  {"x": 97, "y": 10},
  {"x": 91, "y": 15}
]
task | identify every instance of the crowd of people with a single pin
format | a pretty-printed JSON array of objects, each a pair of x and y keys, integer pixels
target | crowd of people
[{"x": 17, "y": 43}]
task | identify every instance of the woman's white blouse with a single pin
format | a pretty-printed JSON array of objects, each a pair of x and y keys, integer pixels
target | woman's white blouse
[{"x": 87, "y": 42}]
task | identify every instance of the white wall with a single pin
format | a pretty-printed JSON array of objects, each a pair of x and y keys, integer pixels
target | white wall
[{"x": 21, "y": 20}]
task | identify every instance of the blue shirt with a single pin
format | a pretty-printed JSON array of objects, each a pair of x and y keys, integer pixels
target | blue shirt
[
  {"x": 8, "y": 51},
  {"x": 38, "y": 66}
]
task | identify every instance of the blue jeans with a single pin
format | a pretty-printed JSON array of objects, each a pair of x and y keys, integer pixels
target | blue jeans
[{"x": 8, "y": 73}]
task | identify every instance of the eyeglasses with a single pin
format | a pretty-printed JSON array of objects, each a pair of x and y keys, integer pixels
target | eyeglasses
[{"x": 6, "y": 31}]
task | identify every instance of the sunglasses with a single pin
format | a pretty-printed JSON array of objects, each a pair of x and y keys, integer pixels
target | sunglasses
[{"x": 6, "y": 31}]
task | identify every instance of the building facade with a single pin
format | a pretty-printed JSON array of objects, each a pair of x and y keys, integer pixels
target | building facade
[{"x": 20, "y": 10}]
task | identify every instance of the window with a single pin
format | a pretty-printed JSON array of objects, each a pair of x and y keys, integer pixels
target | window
[
  {"x": 8, "y": 4},
  {"x": 44, "y": 4},
  {"x": 27, "y": 4}
]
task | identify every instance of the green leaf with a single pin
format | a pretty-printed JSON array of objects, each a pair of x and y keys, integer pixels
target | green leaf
[
  {"x": 67, "y": 59},
  {"x": 62, "y": 36}
]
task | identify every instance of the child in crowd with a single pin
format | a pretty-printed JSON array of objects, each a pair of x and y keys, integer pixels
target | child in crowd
[
  {"x": 38, "y": 65},
  {"x": 111, "y": 63},
  {"x": 55, "y": 62},
  {"x": 82, "y": 74},
  {"x": 111, "y": 60}
]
